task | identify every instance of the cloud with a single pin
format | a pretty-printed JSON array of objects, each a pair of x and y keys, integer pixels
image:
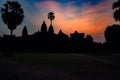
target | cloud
[
  {"x": 88, "y": 18},
  {"x": 91, "y": 19}
]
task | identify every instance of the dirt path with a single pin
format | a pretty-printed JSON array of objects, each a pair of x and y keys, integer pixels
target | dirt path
[
  {"x": 107, "y": 59},
  {"x": 96, "y": 69}
]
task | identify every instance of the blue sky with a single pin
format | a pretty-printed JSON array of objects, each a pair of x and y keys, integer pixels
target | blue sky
[{"x": 88, "y": 16}]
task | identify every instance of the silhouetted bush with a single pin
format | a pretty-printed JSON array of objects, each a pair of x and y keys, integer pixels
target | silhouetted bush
[{"x": 112, "y": 37}]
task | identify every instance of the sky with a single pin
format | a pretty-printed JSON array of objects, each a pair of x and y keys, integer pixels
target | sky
[{"x": 85, "y": 16}]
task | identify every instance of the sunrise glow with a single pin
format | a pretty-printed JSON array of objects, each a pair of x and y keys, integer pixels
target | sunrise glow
[{"x": 87, "y": 16}]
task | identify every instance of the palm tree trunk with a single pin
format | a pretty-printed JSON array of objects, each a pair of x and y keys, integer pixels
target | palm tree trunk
[{"x": 51, "y": 22}]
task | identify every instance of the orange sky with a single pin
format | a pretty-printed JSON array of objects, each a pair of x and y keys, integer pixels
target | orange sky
[{"x": 87, "y": 18}]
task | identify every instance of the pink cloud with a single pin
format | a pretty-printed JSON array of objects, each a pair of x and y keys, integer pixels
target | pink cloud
[{"x": 86, "y": 18}]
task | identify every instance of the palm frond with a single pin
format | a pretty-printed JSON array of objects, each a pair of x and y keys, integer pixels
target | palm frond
[
  {"x": 117, "y": 15},
  {"x": 116, "y": 4}
]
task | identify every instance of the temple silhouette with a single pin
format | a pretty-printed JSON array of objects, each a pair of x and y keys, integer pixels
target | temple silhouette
[{"x": 46, "y": 41}]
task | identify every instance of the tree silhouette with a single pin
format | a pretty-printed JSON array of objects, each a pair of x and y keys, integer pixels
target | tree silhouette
[
  {"x": 112, "y": 36},
  {"x": 51, "y": 16},
  {"x": 89, "y": 38},
  {"x": 12, "y": 14},
  {"x": 116, "y": 7}
]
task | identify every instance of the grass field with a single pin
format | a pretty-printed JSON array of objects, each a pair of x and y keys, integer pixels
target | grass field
[{"x": 59, "y": 67}]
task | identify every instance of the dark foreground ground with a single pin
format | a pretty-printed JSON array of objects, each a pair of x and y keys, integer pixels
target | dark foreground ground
[{"x": 59, "y": 67}]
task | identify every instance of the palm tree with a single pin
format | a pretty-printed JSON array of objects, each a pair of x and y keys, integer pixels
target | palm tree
[
  {"x": 51, "y": 16},
  {"x": 12, "y": 14},
  {"x": 116, "y": 7}
]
